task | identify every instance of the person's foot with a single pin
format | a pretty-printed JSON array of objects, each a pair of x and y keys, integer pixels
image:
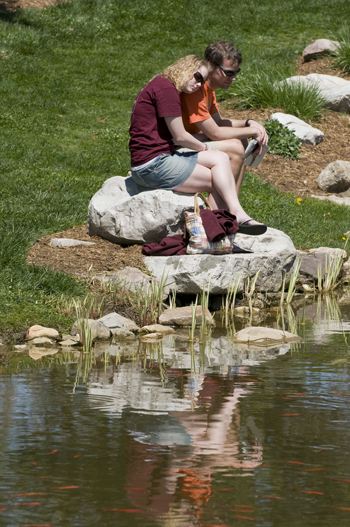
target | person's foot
[{"x": 251, "y": 227}]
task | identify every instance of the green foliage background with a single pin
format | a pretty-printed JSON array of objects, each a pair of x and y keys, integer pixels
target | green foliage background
[{"x": 65, "y": 69}]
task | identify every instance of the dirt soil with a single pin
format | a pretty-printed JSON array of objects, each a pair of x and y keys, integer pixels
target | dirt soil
[{"x": 297, "y": 177}]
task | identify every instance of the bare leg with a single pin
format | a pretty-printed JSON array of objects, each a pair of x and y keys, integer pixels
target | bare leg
[
  {"x": 235, "y": 149},
  {"x": 213, "y": 174}
]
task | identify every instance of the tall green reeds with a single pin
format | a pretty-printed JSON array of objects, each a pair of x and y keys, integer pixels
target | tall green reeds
[{"x": 329, "y": 281}]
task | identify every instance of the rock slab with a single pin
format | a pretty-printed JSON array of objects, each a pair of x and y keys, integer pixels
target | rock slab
[
  {"x": 306, "y": 133},
  {"x": 123, "y": 212},
  {"x": 273, "y": 252},
  {"x": 335, "y": 177}
]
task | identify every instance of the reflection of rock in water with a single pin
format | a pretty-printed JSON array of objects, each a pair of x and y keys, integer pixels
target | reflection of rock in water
[{"x": 144, "y": 384}]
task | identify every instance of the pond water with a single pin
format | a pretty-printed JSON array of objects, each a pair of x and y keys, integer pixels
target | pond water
[{"x": 164, "y": 435}]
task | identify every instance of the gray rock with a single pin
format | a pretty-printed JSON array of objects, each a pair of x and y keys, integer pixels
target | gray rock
[
  {"x": 114, "y": 321},
  {"x": 68, "y": 242},
  {"x": 273, "y": 252},
  {"x": 305, "y": 132},
  {"x": 334, "y": 90},
  {"x": 123, "y": 212},
  {"x": 70, "y": 342},
  {"x": 319, "y": 48},
  {"x": 316, "y": 259},
  {"x": 99, "y": 330},
  {"x": 334, "y": 199},
  {"x": 182, "y": 316},
  {"x": 335, "y": 177}
]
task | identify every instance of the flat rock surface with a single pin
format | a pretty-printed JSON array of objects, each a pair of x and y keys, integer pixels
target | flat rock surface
[
  {"x": 273, "y": 252},
  {"x": 182, "y": 316},
  {"x": 264, "y": 335},
  {"x": 68, "y": 242}
]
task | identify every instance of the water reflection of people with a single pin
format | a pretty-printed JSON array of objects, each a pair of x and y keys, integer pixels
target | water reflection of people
[{"x": 203, "y": 442}]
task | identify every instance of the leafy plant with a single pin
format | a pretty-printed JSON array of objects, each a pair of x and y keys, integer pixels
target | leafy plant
[
  {"x": 342, "y": 54},
  {"x": 282, "y": 141}
]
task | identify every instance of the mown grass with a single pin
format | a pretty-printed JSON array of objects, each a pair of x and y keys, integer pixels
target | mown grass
[{"x": 69, "y": 75}]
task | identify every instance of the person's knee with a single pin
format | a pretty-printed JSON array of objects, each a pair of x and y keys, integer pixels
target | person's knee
[{"x": 233, "y": 147}]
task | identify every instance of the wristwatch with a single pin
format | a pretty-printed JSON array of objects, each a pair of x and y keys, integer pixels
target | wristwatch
[{"x": 247, "y": 121}]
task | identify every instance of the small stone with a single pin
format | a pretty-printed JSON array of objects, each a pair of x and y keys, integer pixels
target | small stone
[
  {"x": 20, "y": 346},
  {"x": 41, "y": 341},
  {"x": 307, "y": 288},
  {"x": 264, "y": 336},
  {"x": 156, "y": 328},
  {"x": 68, "y": 242},
  {"x": 76, "y": 338},
  {"x": 182, "y": 316},
  {"x": 241, "y": 309},
  {"x": 41, "y": 331},
  {"x": 335, "y": 177}
]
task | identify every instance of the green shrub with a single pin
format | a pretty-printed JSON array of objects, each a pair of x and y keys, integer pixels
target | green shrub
[
  {"x": 266, "y": 90},
  {"x": 282, "y": 141}
]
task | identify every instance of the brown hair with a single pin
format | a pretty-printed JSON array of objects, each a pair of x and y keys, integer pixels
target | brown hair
[{"x": 221, "y": 50}]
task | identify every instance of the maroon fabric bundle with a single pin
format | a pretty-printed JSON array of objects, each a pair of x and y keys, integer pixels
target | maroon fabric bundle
[{"x": 217, "y": 224}]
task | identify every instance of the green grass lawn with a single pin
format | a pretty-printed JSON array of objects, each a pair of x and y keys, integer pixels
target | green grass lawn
[{"x": 69, "y": 76}]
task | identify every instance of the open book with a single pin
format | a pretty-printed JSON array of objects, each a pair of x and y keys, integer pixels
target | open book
[{"x": 252, "y": 160}]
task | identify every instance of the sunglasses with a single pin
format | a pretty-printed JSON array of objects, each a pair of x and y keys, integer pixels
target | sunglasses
[
  {"x": 198, "y": 77},
  {"x": 229, "y": 73}
]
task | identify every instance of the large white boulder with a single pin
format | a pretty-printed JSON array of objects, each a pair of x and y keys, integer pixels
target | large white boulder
[
  {"x": 305, "y": 132},
  {"x": 273, "y": 252},
  {"x": 334, "y": 90},
  {"x": 123, "y": 212}
]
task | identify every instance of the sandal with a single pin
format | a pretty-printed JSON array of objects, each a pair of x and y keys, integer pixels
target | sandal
[{"x": 252, "y": 230}]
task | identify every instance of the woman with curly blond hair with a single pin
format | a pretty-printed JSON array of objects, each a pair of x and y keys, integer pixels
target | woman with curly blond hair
[{"x": 156, "y": 127}]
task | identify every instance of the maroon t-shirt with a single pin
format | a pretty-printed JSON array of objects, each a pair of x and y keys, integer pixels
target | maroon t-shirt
[{"x": 149, "y": 134}]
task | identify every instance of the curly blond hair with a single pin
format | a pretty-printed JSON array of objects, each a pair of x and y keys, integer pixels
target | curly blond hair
[{"x": 183, "y": 69}]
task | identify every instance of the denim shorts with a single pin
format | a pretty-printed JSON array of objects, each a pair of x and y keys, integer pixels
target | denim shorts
[{"x": 167, "y": 171}]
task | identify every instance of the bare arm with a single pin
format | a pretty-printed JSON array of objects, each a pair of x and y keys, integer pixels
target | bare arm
[
  {"x": 218, "y": 129},
  {"x": 181, "y": 137}
]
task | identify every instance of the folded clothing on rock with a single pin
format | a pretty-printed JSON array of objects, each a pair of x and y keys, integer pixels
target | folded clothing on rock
[{"x": 217, "y": 224}]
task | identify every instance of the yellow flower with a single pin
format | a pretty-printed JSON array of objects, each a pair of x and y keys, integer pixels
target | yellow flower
[
  {"x": 343, "y": 238},
  {"x": 299, "y": 200}
]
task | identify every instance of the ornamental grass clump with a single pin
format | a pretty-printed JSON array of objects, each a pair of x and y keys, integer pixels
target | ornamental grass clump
[
  {"x": 271, "y": 90},
  {"x": 342, "y": 54}
]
